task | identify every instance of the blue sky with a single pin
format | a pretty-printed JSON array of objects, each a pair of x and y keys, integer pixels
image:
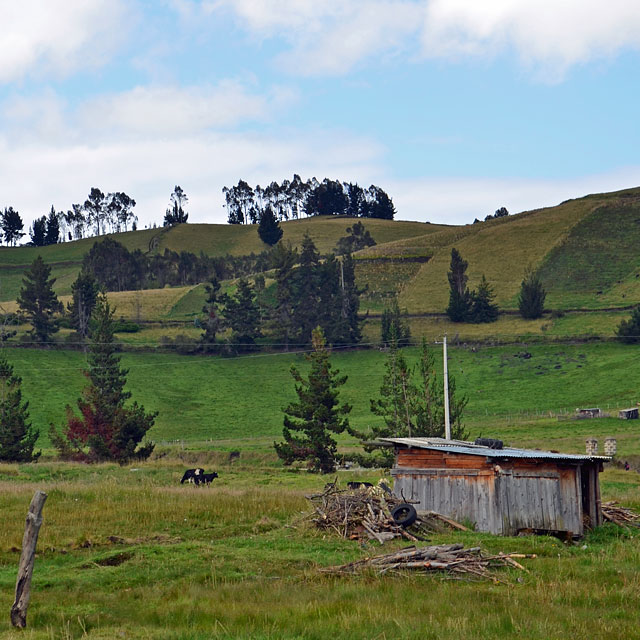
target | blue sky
[{"x": 454, "y": 107}]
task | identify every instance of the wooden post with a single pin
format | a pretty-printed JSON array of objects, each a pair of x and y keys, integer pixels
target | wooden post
[{"x": 25, "y": 570}]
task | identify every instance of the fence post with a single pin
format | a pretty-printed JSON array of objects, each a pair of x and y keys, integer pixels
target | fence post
[{"x": 25, "y": 569}]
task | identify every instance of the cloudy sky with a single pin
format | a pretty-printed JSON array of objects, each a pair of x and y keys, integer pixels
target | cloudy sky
[{"x": 454, "y": 107}]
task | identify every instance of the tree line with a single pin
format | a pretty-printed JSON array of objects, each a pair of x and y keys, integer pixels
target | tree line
[
  {"x": 308, "y": 290},
  {"x": 294, "y": 199}
]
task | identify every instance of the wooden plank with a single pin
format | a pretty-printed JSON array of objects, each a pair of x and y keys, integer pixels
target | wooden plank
[{"x": 27, "y": 558}]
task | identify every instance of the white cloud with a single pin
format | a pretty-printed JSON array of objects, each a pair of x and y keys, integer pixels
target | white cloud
[
  {"x": 333, "y": 36},
  {"x": 545, "y": 33},
  {"x": 58, "y": 36},
  {"x": 168, "y": 111},
  {"x": 328, "y": 37}
]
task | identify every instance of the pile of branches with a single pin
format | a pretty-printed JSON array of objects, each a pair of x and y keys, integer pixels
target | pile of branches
[
  {"x": 623, "y": 517},
  {"x": 365, "y": 513},
  {"x": 452, "y": 559}
]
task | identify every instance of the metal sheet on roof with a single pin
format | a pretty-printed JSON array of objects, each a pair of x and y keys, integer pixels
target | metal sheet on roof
[{"x": 468, "y": 448}]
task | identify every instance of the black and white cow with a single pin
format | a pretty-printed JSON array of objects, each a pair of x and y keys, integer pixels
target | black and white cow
[
  {"x": 191, "y": 474},
  {"x": 205, "y": 478}
]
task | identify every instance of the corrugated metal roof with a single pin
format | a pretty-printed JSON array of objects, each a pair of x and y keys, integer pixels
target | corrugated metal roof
[{"x": 468, "y": 448}]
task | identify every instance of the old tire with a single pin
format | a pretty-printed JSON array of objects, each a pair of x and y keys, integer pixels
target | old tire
[{"x": 404, "y": 514}]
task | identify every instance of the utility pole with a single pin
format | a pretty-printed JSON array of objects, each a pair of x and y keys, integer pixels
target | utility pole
[{"x": 447, "y": 422}]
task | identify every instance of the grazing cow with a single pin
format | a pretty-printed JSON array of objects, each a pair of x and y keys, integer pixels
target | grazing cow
[
  {"x": 191, "y": 474},
  {"x": 205, "y": 478},
  {"x": 359, "y": 485},
  {"x": 233, "y": 456}
]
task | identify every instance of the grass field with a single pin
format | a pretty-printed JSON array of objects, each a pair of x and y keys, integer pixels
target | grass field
[
  {"x": 205, "y": 401},
  {"x": 127, "y": 552}
]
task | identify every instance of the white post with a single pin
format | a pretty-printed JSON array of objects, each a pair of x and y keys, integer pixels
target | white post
[{"x": 447, "y": 424}]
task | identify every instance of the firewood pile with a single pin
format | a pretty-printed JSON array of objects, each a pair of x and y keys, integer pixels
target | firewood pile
[
  {"x": 452, "y": 559},
  {"x": 367, "y": 513},
  {"x": 622, "y": 516}
]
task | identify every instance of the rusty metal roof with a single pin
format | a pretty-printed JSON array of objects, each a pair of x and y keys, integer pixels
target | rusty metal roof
[{"x": 468, "y": 448}]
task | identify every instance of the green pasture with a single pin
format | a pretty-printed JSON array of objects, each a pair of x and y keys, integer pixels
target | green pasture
[
  {"x": 597, "y": 264},
  {"x": 520, "y": 392},
  {"x": 128, "y": 552}
]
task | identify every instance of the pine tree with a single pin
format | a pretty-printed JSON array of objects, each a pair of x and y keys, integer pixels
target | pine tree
[
  {"x": 459, "y": 297},
  {"x": 52, "y": 235},
  {"x": 430, "y": 418},
  {"x": 483, "y": 308},
  {"x": 310, "y": 422},
  {"x": 269, "y": 228},
  {"x": 242, "y": 314},
  {"x": 17, "y": 437},
  {"x": 39, "y": 302},
  {"x": 411, "y": 405},
  {"x": 106, "y": 429},
  {"x": 349, "y": 327},
  {"x": 532, "y": 296},
  {"x": 84, "y": 295},
  {"x": 392, "y": 326},
  {"x": 307, "y": 287},
  {"x": 283, "y": 260},
  {"x": 213, "y": 321}
]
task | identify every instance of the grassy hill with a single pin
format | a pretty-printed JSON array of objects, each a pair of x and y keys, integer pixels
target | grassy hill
[{"x": 583, "y": 249}]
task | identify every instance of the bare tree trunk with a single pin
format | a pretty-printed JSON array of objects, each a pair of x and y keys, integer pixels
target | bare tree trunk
[{"x": 25, "y": 570}]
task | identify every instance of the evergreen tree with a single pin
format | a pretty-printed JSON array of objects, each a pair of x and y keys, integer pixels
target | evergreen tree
[
  {"x": 459, "y": 297},
  {"x": 350, "y": 325},
  {"x": 106, "y": 429},
  {"x": 213, "y": 321},
  {"x": 52, "y": 234},
  {"x": 176, "y": 214},
  {"x": 283, "y": 260},
  {"x": 269, "y": 228},
  {"x": 430, "y": 418},
  {"x": 38, "y": 232},
  {"x": 84, "y": 295},
  {"x": 629, "y": 330},
  {"x": 392, "y": 326},
  {"x": 307, "y": 292},
  {"x": 411, "y": 405},
  {"x": 310, "y": 422},
  {"x": 242, "y": 314},
  {"x": 532, "y": 295},
  {"x": 39, "y": 302},
  {"x": 12, "y": 226},
  {"x": 483, "y": 308},
  {"x": 17, "y": 437}
]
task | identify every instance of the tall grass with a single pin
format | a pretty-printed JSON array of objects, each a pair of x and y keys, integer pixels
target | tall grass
[{"x": 129, "y": 552}]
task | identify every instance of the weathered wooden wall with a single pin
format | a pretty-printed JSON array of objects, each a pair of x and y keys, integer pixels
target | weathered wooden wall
[{"x": 499, "y": 498}]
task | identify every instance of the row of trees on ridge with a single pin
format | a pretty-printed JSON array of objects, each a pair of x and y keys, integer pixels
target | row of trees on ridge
[{"x": 294, "y": 199}]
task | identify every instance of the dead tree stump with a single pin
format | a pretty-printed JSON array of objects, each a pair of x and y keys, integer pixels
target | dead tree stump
[{"x": 25, "y": 570}]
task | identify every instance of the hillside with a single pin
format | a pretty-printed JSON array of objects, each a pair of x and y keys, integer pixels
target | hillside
[
  {"x": 583, "y": 249},
  {"x": 213, "y": 239}
]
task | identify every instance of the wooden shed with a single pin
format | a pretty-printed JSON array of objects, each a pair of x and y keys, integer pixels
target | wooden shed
[{"x": 502, "y": 491}]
